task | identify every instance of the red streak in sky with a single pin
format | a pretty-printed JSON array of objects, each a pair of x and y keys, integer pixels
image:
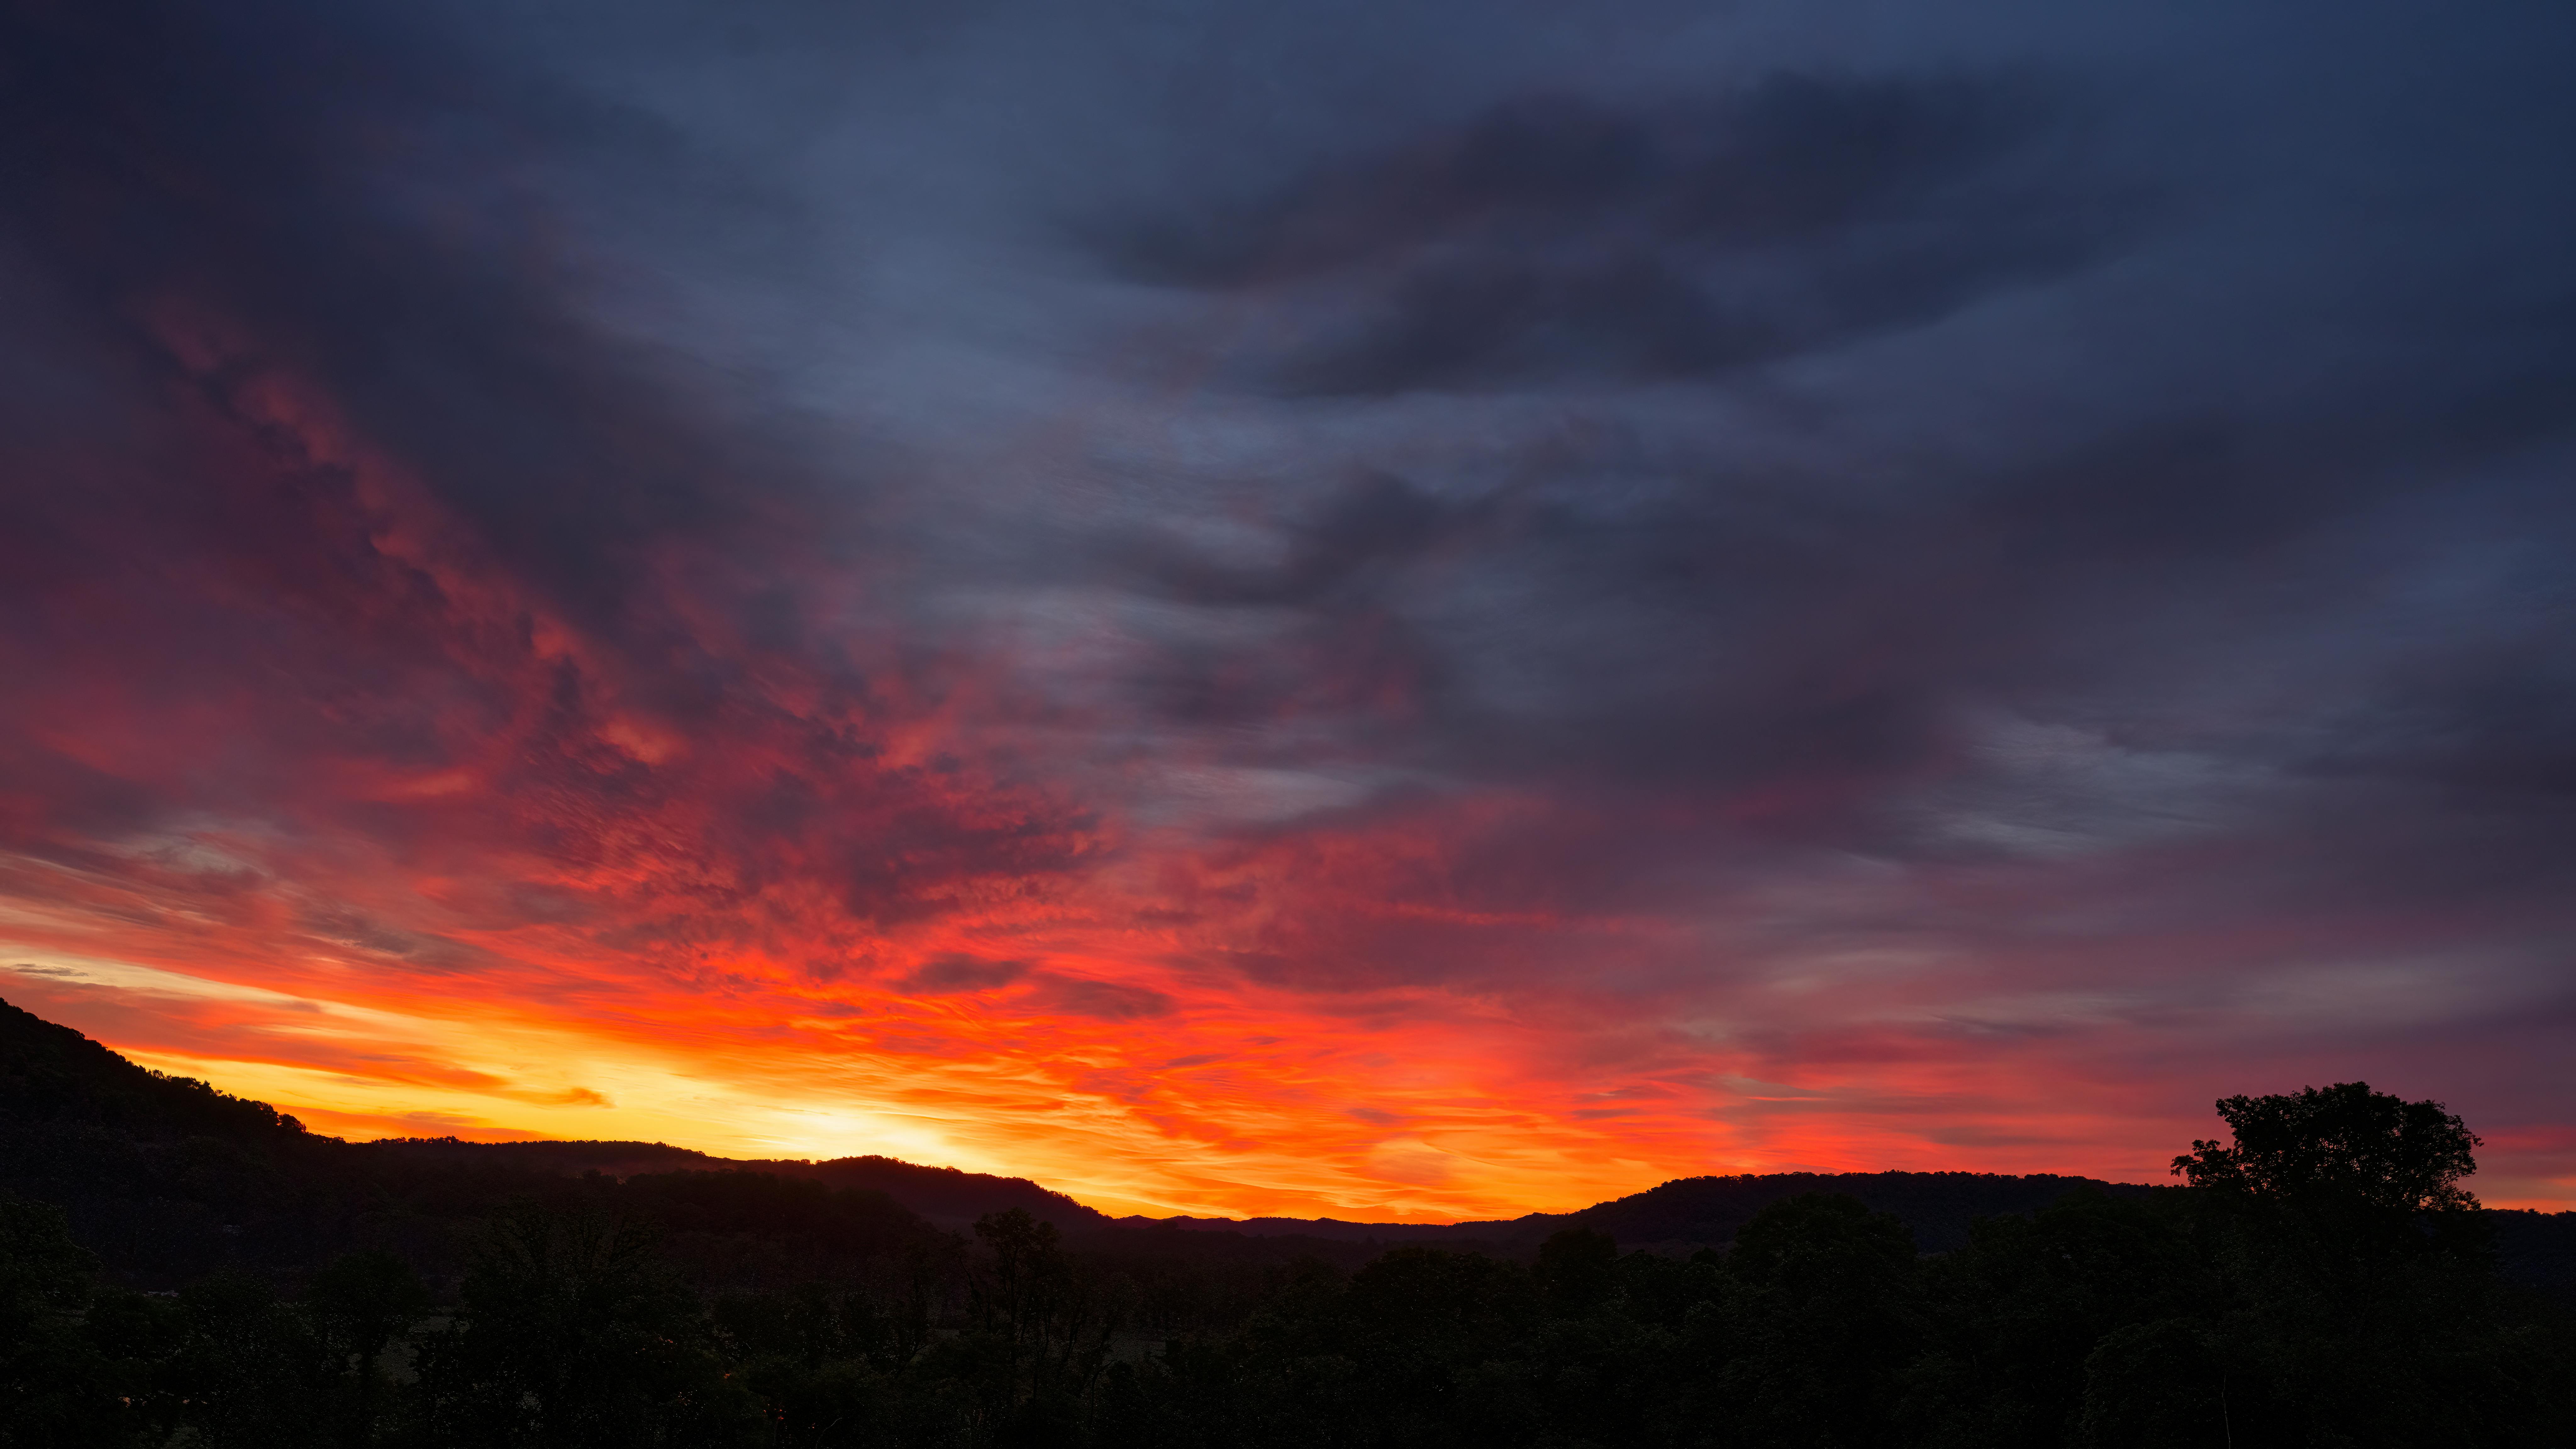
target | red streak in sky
[{"x": 316, "y": 792}]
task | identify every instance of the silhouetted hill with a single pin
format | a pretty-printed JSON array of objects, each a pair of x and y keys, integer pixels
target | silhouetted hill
[
  {"x": 612, "y": 1159},
  {"x": 943, "y": 1195},
  {"x": 167, "y": 1178},
  {"x": 164, "y": 1177},
  {"x": 2538, "y": 1249},
  {"x": 1706, "y": 1211},
  {"x": 950, "y": 1197},
  {"x": 1338, "y": 1230},
  {"x": 54, "y": 1075}
]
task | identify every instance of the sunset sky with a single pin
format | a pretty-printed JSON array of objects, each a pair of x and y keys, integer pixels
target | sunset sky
[{"x": 1377, "y": 609}]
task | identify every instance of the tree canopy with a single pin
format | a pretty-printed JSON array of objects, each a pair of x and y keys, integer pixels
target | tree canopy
[
  {"x": 2315, "y": 1282},
  {"x": 2344, "y": 1142}
]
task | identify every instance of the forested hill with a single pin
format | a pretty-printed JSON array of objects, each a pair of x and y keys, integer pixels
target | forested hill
[
  {"x": 1697, "y": 1211},
  {"x": 1705, "y": 1212},
  {"x": 167, "y": 1178},
  {"x": 188, "y": 1176},
  {"x": 53, "y": 1074},
  {"x": 1678, "y": 1216},
  {"x": 598, "y": 1294},
  {"x": 941, "y": 1195}
]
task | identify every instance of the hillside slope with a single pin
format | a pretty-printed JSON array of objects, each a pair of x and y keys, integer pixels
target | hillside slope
[{"x": 167, "y": 1178}]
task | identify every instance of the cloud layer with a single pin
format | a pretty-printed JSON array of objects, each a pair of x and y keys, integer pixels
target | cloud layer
[{"x": 1418, "y": 611}]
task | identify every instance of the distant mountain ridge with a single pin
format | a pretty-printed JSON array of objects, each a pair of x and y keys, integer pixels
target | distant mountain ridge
[
  {"x": 947, "y": 1196},
  {"x": 1683, "y": 1214},
  {"x": 140, "y": 1154},
  {"x": 1704, "y": 1212}
]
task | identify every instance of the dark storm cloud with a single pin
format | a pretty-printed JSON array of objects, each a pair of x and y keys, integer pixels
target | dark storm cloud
[
  {"x": 1791, "y": 597},
  {"x": 1377, "y": 520},
  {"x": 2117, "y": 541},
  {"x": 1811, "y": 600},
  {"x": 1558, "y": 236},
  {"x": 344, "y": 191},
  {"x": 348, "y": 463}
]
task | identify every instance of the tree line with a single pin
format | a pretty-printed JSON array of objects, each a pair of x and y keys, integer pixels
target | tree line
[{"x": 2320, "y": 1278}]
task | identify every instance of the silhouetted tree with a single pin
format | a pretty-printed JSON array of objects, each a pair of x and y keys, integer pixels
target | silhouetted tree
[
  {"x": 1043, "y": 1331},
  {"x": 360, "y": 1304},
  {"x": 573, "y": 1335},
  {"x": 2160, "y": 1385},
  {"x": 1819, "y": 1319},
  {"x": 2015, "y": 1316},
  {"x": 1435, "y": 1337},
  {"x": 2321, "y": 1279},
  {"x": 2354, "y": 1301},
  {"x": 1578, "y": 1269},
  {"x": 56, "y": 1387},
  {"x": 250, "y": 1372},
  {"x": 2357, "y": 1175}
]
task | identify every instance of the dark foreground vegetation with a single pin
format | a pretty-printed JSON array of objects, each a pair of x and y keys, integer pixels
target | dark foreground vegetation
[{"x": 2318, "y": 1279}]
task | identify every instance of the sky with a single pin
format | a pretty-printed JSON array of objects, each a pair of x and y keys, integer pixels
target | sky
[{"x": 1394, "y": 610}]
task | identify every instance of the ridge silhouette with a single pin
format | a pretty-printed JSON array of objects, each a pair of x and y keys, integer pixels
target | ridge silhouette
[
  {"x": 79, "y": 1123},
  {"x": 182, "y": 1265}
]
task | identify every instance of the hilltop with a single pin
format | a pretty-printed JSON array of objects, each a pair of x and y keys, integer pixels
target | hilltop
[{"x": 166, "y": 1178}]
